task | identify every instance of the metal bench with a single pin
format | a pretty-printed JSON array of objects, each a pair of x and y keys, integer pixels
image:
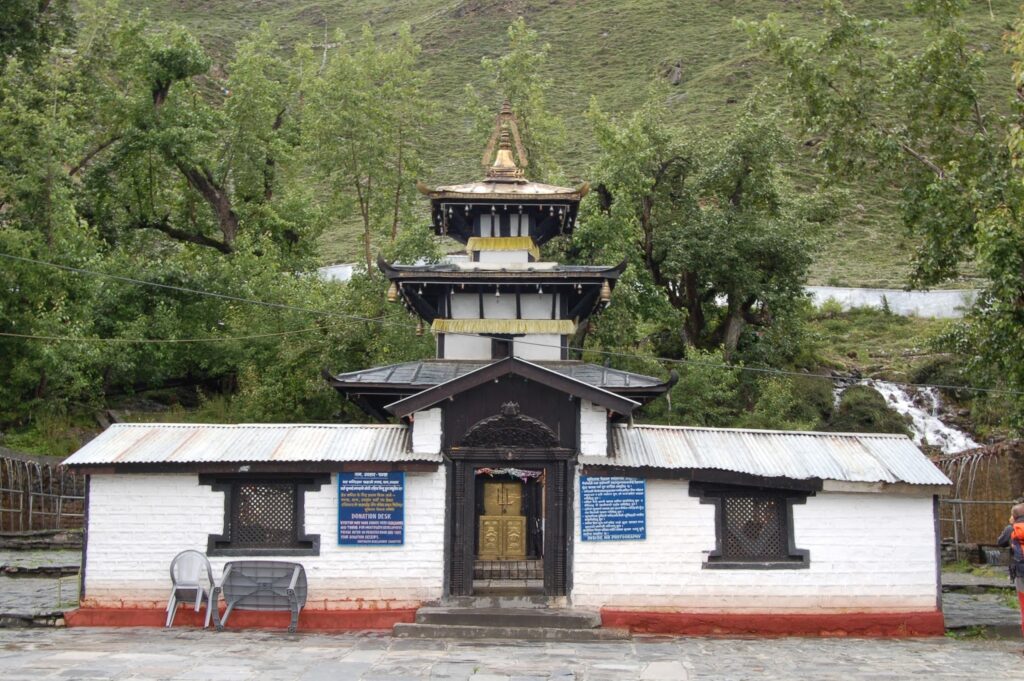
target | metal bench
[{"x": 262, "y": 585}]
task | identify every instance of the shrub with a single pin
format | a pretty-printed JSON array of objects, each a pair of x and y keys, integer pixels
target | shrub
[{"x": 862, "y": 409}]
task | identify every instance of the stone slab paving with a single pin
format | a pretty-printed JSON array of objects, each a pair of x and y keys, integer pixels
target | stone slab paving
[
  {"x": 192, "y": 655},
  {"x": 979, "y": 610},
  {"x": 961, "y": 580}
]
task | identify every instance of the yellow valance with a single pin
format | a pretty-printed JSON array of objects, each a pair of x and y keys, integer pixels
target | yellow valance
[
  {"x": 560, "y": 327},
  {"x": 502, "y": 243}
]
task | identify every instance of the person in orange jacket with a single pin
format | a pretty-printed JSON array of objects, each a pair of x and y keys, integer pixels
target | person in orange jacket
[{"x": 1013, "y": 536}]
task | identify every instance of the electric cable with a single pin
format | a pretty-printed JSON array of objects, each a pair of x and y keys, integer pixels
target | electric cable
[{"x": 388, "y": 320}]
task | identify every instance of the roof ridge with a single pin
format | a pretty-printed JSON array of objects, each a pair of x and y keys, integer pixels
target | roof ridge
[
  {"x": 895, "y": 436},
  {"x": 160, "y": 424}
]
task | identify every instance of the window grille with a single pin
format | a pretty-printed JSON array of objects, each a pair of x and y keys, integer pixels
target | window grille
[
  {"x": 753, "y": 527},
  {"x": 264, "y": 515}
]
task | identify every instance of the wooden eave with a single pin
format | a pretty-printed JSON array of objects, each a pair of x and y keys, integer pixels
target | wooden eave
[
  {"x": 518, "y": 367},
  {"x": 426, "y": 274}
]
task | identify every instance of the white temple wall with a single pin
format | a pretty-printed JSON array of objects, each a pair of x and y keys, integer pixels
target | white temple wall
[
  {"x": 465, "y": 306},
  {"x": 537, "y": 346},
  {"x": 499, "y": 307},
  {"x": 842, "y": 531},
  {"x": 462, "y": 346},
  {"x": 536, "y": 305},
  {"x": 139, "y": 522},
  {"x": 593, "y": 429},
  {"x": 426, "y": 432}
]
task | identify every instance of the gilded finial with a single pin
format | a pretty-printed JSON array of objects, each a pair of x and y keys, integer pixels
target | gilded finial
[{"x": 506, "y": 131}]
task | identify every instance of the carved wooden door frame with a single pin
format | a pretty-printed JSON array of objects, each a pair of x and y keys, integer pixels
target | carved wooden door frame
[{"x": 559, "y": 467}]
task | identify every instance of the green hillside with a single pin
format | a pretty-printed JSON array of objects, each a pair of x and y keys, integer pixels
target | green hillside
[{"x": 611, "y": 50}]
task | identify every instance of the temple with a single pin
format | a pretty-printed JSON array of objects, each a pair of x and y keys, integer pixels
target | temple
[{"x": 505, "y": 474}]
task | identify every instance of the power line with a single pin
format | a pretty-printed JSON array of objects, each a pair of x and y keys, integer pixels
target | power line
[
  {"x": 185, "y": 289},
  {"x": 389, "y": 321},
  {"x": 87, "y": 339}
]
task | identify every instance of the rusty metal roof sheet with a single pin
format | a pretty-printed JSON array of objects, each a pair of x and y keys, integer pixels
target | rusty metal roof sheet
[
  {"x": 847, "y": 457},
  {"x": 152, "y": 443}
]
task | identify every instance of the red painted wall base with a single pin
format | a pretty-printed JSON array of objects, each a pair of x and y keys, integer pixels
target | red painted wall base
[
  {"x": 870, "y": 624},
  {"x": 309, "y": 620}
]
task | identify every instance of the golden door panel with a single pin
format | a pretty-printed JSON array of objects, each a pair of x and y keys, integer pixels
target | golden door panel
[
  {"x": 502, "y": 537},
  {"x": 503, "y": 498}
]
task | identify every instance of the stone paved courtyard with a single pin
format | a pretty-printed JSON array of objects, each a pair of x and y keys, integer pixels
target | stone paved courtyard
[{"x": 36, "y": 654}]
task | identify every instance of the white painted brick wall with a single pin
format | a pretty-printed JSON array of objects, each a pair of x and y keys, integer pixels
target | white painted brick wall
[
  {"x": 459, "y": 346},
  {"x": 426, "y": 432},
  {"x": 538, "y": 346},
  {"x": 868, "y": 552},
  {"x": 138, "y": 523},
  {"x": 593, "y": 429}
]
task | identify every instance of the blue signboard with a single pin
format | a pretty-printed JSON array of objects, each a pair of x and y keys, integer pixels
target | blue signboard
[
  {"x": 371, "y": 509},
  {"x": 613, "y": 509}
]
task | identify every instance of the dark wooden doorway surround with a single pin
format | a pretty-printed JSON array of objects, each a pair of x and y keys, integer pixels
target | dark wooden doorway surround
[{"x": 558, "y": 465}]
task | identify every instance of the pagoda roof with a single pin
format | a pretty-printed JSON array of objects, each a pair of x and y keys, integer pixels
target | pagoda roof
[
  {"x": 490, "y": 190},
  {"x": 533, "y": 271},
  {"x": 373, "y": 389},
  {"x": 515, "y": 366},
  {"x": 505, "y": 178},
  {"x": 431, "y": 372}
]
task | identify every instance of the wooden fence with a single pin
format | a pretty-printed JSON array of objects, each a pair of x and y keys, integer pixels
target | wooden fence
[
  {"x": 986, "y": 482},
  {"x": 39, "y": 496}
]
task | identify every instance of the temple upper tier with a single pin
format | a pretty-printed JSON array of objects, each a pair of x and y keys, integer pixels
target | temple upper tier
[{"x": 504, "y": 213}]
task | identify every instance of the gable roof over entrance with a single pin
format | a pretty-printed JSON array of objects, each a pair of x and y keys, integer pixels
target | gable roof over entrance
[{"x": 517, "y": 367}]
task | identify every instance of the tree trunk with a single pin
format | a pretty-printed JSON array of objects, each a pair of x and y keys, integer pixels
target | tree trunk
[{"x": 732, "y": 328}]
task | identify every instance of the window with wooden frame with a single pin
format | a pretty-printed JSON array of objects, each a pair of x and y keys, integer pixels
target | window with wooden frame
[
  {"x": 753, "y": 527},
  {"x": 264, "y": 515}
]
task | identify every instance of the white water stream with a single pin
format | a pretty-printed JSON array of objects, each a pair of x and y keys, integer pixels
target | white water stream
[{"x": 926, "y": 426}]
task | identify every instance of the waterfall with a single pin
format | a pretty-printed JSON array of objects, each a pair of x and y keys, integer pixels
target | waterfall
[{"x": 926, "y": 426}]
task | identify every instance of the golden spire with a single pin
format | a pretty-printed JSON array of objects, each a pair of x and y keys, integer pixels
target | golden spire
[{"x": 504, "y": 167}]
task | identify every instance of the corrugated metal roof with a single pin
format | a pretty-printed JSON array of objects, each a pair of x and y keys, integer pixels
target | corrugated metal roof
[
  {"x": 853, "y": 457},
  {"x": 435, "y": 372},
  {"x": 148, "y": 443}
]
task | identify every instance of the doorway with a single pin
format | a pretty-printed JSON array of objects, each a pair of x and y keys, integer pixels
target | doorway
[
  {"x": 508, "y": 523},
  {"x": 509, "y": 531}
]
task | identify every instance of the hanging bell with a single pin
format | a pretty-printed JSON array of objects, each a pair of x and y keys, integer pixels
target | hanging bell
[
  {"x": 393, "y": 292},
  {"x": 419, "y": 328},
  {"x": 606, "y": 292}
]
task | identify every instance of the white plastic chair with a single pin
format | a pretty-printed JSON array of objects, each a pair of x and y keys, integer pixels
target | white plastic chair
[{"x": 187, "y": 570}]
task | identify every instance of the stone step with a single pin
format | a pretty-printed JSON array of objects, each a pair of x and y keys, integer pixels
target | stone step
[
  {"x": 518, "y": 601},
  {"x": 510, "y": 617},
  {"x": 508, "y": 569},
  {"x": 508, "y": 633}
]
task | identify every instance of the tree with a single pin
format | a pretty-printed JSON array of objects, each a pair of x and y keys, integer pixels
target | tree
[
  {"x": 365, "y": 116},
  {"x": 711, "y": 226},
  {"x": 121, "y": 157},
  {"x": 919, "y": 123},
  {"x": 29, "y": 28},
  {"x": 518, "y": 77}
]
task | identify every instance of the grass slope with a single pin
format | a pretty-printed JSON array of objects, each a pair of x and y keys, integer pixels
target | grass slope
[{"x": 610, "y": 49}]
